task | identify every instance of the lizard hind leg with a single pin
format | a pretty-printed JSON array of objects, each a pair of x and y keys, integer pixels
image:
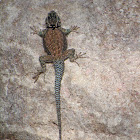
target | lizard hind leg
[
  {"x": 43, "y": 60},
  {"x": 72, "y": 56}
]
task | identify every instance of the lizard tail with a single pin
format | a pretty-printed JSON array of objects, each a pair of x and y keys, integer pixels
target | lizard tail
[{"x": 59, "y": 69}]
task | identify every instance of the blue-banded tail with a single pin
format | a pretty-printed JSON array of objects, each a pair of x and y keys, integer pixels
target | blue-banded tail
[{"x": 59, "y": 69}]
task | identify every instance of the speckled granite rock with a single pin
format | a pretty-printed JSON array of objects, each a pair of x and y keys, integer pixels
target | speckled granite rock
[{"x": 100, "y": 98}]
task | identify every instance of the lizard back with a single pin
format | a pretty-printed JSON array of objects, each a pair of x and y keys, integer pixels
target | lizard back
[{"x": 55, "y": 42}]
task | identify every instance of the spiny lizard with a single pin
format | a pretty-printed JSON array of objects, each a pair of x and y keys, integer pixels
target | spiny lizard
[{"x": 55, "y": 45}]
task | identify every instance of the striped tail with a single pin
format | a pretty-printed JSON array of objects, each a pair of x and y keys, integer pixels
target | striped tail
[{"x": 59, "y": 69}]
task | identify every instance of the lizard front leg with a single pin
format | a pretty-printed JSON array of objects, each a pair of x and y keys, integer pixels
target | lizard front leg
[
  {"x": 43, "y": 60},
  {"x": 68, "y": 31},
  {"x": 40, "y": 33}
]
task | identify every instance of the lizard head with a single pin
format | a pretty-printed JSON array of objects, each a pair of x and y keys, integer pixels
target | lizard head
[{"x": 53, "y": 20}]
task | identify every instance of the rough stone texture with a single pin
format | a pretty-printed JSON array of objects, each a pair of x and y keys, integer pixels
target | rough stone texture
[{"x": 100, "y": 98}]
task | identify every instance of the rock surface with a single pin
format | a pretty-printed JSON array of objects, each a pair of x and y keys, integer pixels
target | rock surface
[{"x": 100, "y": 98}]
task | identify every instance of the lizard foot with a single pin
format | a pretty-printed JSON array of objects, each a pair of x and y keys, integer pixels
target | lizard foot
[
  {"x": 77, "y": 56},
  {"x": 74, "y": 28},
  {"x": 80, "y": 55},
  {"x": 37, "y": 74},
  {"x": 34, "y": 30}
]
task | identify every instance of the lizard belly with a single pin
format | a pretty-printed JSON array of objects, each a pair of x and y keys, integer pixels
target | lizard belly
[{"x": 55, "y": 41}]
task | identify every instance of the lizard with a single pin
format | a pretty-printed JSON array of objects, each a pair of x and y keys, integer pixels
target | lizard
[{"x": 55, "y": 45}]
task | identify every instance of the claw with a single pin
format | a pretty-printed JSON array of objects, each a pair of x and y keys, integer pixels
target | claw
[
  {"x": 34, "y": 30},
  {"x": 77, "y": 56},
  {"x": 76, "y": 62},
  {"x": 80, "y": 55},
  {"x": 37, "y": 76},
  {"x": 74, "y": 28}
]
